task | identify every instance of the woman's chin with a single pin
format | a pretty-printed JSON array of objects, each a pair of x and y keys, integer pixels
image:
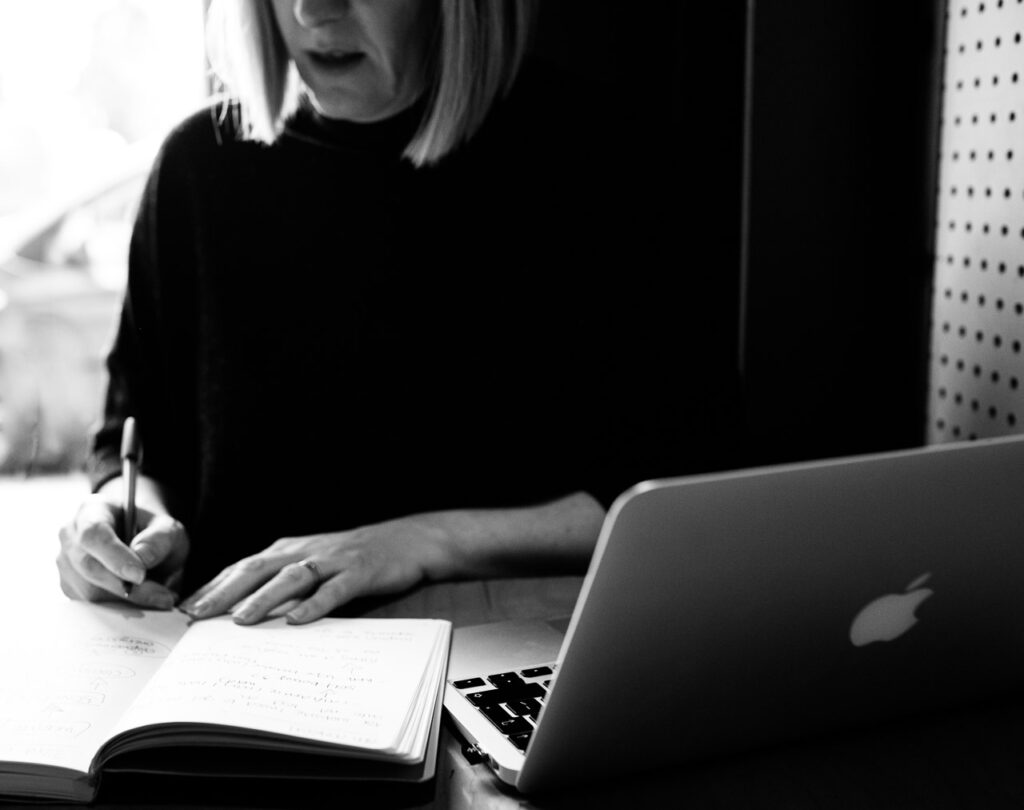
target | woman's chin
[{"x": 361, "y": 108}]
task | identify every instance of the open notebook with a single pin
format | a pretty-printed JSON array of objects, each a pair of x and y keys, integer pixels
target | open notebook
[{"x": 87, "y": 689}]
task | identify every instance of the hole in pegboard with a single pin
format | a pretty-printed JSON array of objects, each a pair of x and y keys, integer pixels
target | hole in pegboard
[{"x": 978, "y": 306}]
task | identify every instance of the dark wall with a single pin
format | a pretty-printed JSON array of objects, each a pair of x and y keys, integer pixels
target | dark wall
[
  {"x": 674, "y": 73},
  {"x": 841, "y": 188},
  {"x": 821, "y": 293}
]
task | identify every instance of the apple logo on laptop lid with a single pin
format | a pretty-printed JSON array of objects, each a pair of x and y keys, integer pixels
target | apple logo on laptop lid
[{"x": 889, "y": 616}]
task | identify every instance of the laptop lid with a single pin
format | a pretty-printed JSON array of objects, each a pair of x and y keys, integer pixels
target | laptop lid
[{"x": 729, "y": 611}]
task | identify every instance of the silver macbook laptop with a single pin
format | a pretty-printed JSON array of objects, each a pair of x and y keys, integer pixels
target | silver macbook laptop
[{"x": 727, "y": 611}]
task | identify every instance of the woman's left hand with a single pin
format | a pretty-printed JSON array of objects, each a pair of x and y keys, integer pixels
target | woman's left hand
[{"x": 310, "y": 576}]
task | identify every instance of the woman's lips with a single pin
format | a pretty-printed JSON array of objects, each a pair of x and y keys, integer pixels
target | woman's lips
[{"x": 336, "y": 60}]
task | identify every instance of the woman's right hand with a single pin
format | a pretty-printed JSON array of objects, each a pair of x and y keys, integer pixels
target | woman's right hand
[{"x": 95, "y": 565}]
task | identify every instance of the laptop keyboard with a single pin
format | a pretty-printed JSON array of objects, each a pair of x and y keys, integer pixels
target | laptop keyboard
[{"x": 512, "y": 701}]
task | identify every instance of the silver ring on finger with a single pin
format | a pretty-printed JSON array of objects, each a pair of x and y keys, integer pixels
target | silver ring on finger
[{"x": 314, "y": 569}]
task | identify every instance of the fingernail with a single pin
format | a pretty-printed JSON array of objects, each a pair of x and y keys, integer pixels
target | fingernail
[
  {"x": 243, "y": 614},
  {"x": 296, "y": 615},
  {"x": 199, "y": 609},
  {"x": 144, "y": 553},
  {"x": 133, "y": 573}
]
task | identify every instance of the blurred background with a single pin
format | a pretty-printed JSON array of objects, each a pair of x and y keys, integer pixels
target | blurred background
[{"x": 88, "y": 89}]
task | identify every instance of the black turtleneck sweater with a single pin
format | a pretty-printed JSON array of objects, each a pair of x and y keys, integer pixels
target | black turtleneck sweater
[{"x": 317, "y": 335}]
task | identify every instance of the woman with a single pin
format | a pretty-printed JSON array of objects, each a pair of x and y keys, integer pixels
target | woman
[{"x": 363, "y": 335}]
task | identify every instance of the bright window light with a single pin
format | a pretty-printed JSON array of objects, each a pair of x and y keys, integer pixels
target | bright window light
[
  {"x": 88, "y": 89},
  {"x": 82, "y": 79}
]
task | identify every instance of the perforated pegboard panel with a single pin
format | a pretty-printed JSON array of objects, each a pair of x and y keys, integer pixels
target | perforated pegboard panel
[{"x": 977, "y": 359}]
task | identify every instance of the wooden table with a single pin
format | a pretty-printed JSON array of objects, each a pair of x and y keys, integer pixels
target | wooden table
[{"x": 972, "y": 758}]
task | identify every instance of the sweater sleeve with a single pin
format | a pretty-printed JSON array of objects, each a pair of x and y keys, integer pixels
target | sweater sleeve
[{"x": 147, "y": 366}]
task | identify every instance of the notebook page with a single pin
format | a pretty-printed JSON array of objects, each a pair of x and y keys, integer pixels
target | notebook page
[
  {"x": 70, "y": 671},
  {"x": 351, "y": 682}
]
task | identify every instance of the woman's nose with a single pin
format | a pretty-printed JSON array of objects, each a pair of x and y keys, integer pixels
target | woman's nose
[{"x": 313, "y": 13}]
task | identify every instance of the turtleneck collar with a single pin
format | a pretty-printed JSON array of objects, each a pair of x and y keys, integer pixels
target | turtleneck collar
[{"x": 386, "y": 138}]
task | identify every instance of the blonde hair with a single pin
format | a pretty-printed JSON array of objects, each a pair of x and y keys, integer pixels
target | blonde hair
[{"x": 475, "y": 54}]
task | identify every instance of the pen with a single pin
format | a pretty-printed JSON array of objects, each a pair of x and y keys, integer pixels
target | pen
[{"x": 130, "y": 452}]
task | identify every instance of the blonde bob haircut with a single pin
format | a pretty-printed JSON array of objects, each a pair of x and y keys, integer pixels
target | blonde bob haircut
[{"x": 475, "y": 54}]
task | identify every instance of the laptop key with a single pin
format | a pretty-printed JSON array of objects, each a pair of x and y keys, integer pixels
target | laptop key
[
  {"x": 506, "y": 679},
  {"x": 506, "y": 722},
  {"x": 527, "y": 707},
  {"x": 468, "y": 683},
  {"x": 520, "y": 741},
  {"x": 535, "y": 672},
  {"x": 513, "y": 725},
  {"x": 493, "y": 696},
  {"x": 496, "y": 713}
]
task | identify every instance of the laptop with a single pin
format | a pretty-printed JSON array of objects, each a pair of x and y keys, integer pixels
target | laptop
[{"x": 730, "y": 611}]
